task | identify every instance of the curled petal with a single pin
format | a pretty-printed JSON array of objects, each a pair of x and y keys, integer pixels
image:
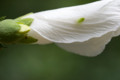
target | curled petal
[
  {"x": 40, "y": 39},
  {"x": 61, "y": 25},
  {"x": 84, "y": 29},
  {"x": 92, "y": 47}
]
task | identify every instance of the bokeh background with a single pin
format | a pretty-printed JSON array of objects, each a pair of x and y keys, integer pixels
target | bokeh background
[{"x": 49, "y": 62}]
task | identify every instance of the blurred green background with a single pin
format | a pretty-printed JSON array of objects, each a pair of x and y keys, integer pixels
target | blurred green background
[{"x": 49, "y": 62}]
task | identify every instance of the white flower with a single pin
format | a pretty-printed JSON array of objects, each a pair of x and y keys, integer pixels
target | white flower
[{"x": 66, "y": 27}]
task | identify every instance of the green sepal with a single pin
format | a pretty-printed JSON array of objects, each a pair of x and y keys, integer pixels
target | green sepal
[
  {"x": 27, "y": 40},
  {"x": 15, "y": 30},
  {"x": 24, "y": 15},
  {"x": 26, "y": 21},
  {"x": 24, "y": 29}
]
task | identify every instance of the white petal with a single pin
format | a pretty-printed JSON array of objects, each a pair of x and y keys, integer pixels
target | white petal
[
  {"x": 34, "y": 32},
  {"x": 61, "y": 25},
  {"x": 40, "y": 39},
  {"x": 92, "y": 47}
]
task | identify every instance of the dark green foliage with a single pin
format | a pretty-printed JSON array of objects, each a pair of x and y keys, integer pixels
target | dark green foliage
[{"x": 2, "y": 18}]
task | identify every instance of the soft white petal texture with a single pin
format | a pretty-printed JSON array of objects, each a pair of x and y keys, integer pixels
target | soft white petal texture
[
  {"x": 92, "y": 47},
  {"x": 60, "y": 25},
  {"x": 40, "y": 39},
  {"x": 102, "y": 22}
]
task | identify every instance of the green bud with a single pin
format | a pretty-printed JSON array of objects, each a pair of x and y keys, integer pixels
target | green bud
[
  {"x": 9, "y": 31},
  {"x": 15, "y": 31}
]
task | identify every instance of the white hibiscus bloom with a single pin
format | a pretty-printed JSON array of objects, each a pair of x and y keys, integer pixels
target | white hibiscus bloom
[{"x": 67, "y": 28}]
